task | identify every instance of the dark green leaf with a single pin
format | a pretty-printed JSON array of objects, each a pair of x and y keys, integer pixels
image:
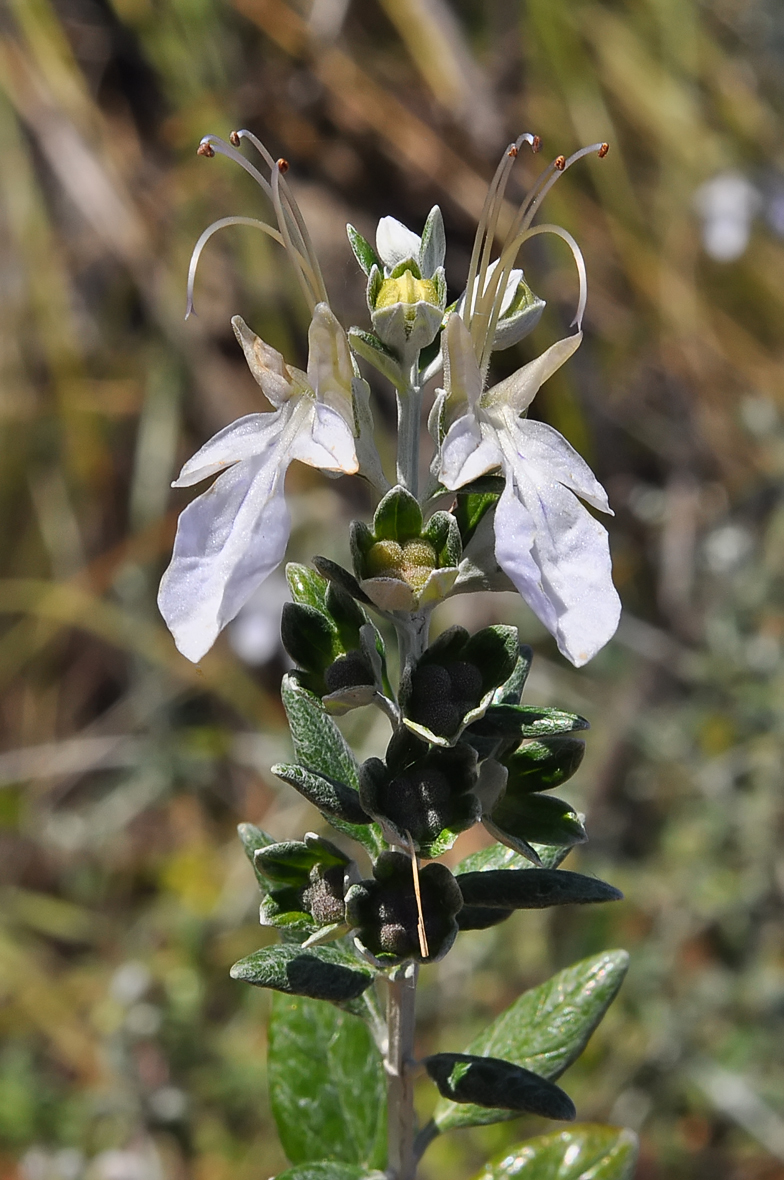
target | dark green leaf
[
  {"x": 290, "y": 861},
  {"x": 318, "y": 743},
  {"x": 307, "y": 587},
  {"x": 335, "y": 573},
  {"x": 512, "y": 690},
  {"x": 538, "y": 819},
  {"x": 521, "y": 721},
  {"x": 254, "y": 838},
  {"x": 481, "y": 917},
  {"x": 322, "y": 972},
  {"x": 490, "y": 1081},
  {"x": 333, "y": 798},
  {"x": 545, "y": 1029},
  {"x": 363, "y": 251},
  {"x": 346, "y": 614},
  {"x": 494, "y": 650},
  {"x": 398, "y": 517},
  {"x": 584, "y": 1152},
  {"x": 521, "y": 889},
  {"x": 498, "y": 856},
  {"x": 327, "y": 1084},
  {"x": 470, "y": 509},
  {"x": 308, "y": 636},
  {"x": 539, "y": 766}
]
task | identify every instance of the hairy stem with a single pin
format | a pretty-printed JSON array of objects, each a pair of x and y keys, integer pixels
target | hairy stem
[
  {"x": 399, "y": 1063},
  {"x": 409, "y": 405}
]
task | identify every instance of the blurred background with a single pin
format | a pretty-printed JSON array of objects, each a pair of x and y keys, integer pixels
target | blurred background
[{"x": 127, "y": 1053}]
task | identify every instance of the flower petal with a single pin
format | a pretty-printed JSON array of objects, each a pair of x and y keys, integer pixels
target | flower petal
[
  {"x": 462, "y": 378},
  {"x": 466, "y": 454},
  {"x": 228, "y": 541},
  {"x": 327, "y": 443},
  {"x": 250, "y": 436},
  {"x": 276, "y": 378},
  {"x": 330, "y": 370},
  {"x": 395, "y": 242},
  {"x": 541, "y": 446},
  {"x": 558, "y": 557},
  {"x": 519, "y": 390}
]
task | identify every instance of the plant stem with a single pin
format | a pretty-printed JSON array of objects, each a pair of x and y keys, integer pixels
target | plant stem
[
  {"x": 401, "y": 999},
  {"x": 409, "y": 407}
]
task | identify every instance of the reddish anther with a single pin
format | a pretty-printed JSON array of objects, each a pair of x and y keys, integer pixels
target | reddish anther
[
  {"x": 283, "y": 165},
  {"x": 560, "y": 163},
  {"x": 603, "y": 150},
  {"x": 235, "y": 139},
  {"x": 537, "y": 143},
  {"x": 204, "y": 149},
  {"x": 512, "y": 152}
]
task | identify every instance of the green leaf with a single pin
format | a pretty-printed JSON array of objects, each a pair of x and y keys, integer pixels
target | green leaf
[
  {"x": 307, "y": 587},
  {"x": 539, "y": 766},
  {"x": 525, "y": 890},
  {"x": 333, "y": 798},
  {"x": 545, "y": 1029},
  {"x": 290, "y": 861},
  {"x": 376, "y": 353},
  {"x": 346, "y": 614},
  {"x": 398, "y": 517},
  {"x": 329, "y": 1170},
  {"x": 537, "y": 818},
  {"x": 363, "y": 251},
  {"x": 433, "y": 243},
  {"x": 470, "y": 509},
  {"x": 335, "y": 573},
  {"x": 521, "y": 721},
  {"x": 512, "y": 690},
  {"x": 492, "y": 1082},
  {"x": 254, "y": 838},
  {"x": 498, "y": 856},
  {"x": 494, "y": 650},
  {"x": 327, "y": 1084},
  {"x": 308, "y": 636},
  {"x": 321, "y": 973},
  {"x": 318, "y": 743},
  {"x": 584, "y": 1152}
]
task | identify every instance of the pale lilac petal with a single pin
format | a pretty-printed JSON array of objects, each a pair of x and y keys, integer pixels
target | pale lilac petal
[
  {"x": 250, "y": 436},
  {"x": 228, "y": 541},
  {"x": 465, "y": 454},
  {"x": 326, "y": 442},
  {"x": 462, "y": 378},
  {"x": 330, "y": 371},
  {"x": 558, "y": 557},
  {"x": 519, "y": 390},
  {"x": 395, "y": 242},
  {"x": 538, "y": 445}
]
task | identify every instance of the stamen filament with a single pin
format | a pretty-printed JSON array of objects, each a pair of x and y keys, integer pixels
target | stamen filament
[
  {"x": 294, "y": 210},
  {"x": 205, "y": 237},
  {"x": 488, "y": 221},
  {"x": 224, "y": 149},
  {"x": 307, "y": 279},
  {"x": 505, "y": 264}
]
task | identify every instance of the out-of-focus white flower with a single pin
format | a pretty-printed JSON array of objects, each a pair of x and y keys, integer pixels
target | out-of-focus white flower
[
  {"x": 727, "y": 205},
  {"x": 254, "y": 634},
  {"x": 553, "y": 550},
  {"x": 235, "y": 534}
]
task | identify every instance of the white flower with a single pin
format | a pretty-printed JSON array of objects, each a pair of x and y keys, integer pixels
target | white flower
[
  {"x": 235, "y": 534},
  {"x": 553, "y": 550}
]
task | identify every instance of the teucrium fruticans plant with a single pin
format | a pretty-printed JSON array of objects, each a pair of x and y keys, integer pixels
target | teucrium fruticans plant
[{"x": 502, "y": 508}]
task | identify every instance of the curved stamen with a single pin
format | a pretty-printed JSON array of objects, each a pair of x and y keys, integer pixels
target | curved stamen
[
  {"x": 488, "y": 221},
  {"x": 215, "y": 144},
  {"x": 205, "y": 237},
  {"x": 505, "y": 264},
  {"x": 296, "y": 227},
  {"x": 307, "y": 279},
  {"x": 556, "y": 170}
]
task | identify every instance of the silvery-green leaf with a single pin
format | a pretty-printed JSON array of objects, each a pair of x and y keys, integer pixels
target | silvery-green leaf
[
  {"x": 432, "y": 247},
  {"x": 321, "y": 973},
  {"x": 327, "y": 1084},
  {"x": 254, "y": 838},
  {"x": 376, "y": 353},
  {"x": 545, "y": 1029},
  {"x": 499, "y": 856},
  {"x": 523, "y": 889},
  {"x": 585, "y": 1152},
  {"x": 363, "y": 251}
]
